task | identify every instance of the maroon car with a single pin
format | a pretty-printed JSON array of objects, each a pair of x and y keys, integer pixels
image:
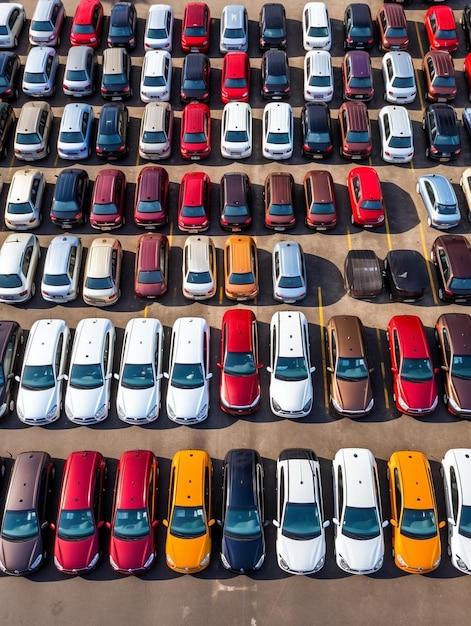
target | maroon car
[
  {"x": 320, "y": 203},
  {"x": 151, "y": 268},
  {"x": 355, "y": 130},
  {"x": 357, "y": 76},
  {"x": 107, "y": 207},
  {"x": 278, "y": 196},
  {"x": 150, "y": 199}
]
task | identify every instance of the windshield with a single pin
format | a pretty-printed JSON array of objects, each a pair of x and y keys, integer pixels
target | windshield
[
  {"x": 187, "y": 522},
  {"x": 137, "y": 376},
  {"x": 360, "y": 523},
  {"x": 38, "y": 377},
  {"x": 351, "y": 369},
  {"x": 35, "y": 78},
  {"x": 237, "y": 136},
  {"x": 456, "y": 284},
  {"x": 418, "y": 523},
  {"x": 403, "y": 82},
  {"x": 461, "y": 366},
  {"x": 242, "y": 522},
  {"x": 239, "y": 364},
  {"x": 86, "y": 376},
  {"x": 75, "y": 525},
  {"x": 290, "y": 282},
  {"x": 291, "y": 368},
  {"x": 416, "y": 370},
  {"x": 149, "y": 206},
  {"x": 20, "y": 525},
  {"x": 301, "y": 521},
  {"x": 131, "y": 524},
  {"x": 322, "y": 208},
  {"x": 187, "y": 376},
  {"x": 465, "y": 522}
]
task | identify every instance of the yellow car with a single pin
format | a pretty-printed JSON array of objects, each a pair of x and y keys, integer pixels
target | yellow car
[
  {"x": 414, "y": 518},
  {"x": 188, "y": 543},
  {"x": 240, "y": 268}
]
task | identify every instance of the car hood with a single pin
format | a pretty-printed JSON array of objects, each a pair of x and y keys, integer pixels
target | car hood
[
  {"x": 353, "y": 395},
  {"x": 76, "y": 555},
  {"x": 238, "y": 391},
  {"x": 243, "y": 554},
  {"x": 361, "y": 555},
  {"x": 137, "y": 402},
  {"x": 301, "y": 556},
  {"x": 187, "y": 553},
  {"x": 187, "y": 403},
  {"x": 81, "y": 403},
  {"x": 419, "y": 396},
  {"x": 17, "y": 556},
  {"x": 131, "y": 555},
  {"x": 418, "y": 554},
  {"x": 293, "y": 395},
  {"x": 461, "y": 546},
  {"x": 36, "y": 404},
  {"x": 462, "y": 393}
]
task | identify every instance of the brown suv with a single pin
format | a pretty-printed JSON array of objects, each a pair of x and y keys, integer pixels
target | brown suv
[
  {"x": 355, "y": 130},
  {"x": 451, "y": 255},
  {"x": 453, "y": 333},
  {"x": 350, "y": 385},
  {"x": 392, "y": 28},
  {"x": 320, "y": 204},
  {"x": 11, "y": 336},
  {"x": 235, "y": 201},
  {"x": 22, "y": 548},
  {"x": 357, "y": 76},
  {"x": 278, "y": 200},
  {"x": 439, "y": 74}
]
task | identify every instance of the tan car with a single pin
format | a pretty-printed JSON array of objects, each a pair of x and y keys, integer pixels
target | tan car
[
  {"x": 350, "y": 385},
  {"x": 32, "y": 131},
  {"x": 240, "y": 268},
  {"x": 102, "y": 272}
]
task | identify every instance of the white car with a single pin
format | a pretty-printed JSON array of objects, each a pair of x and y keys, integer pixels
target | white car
[
  {"x": 87, "y": 399},
  {"x": 75, "y": 133},
  {"x": 155, "y": 137},
  {"x": 291, "y": 391},
  {"x": 19, "y": 256},
  {"x": 395, "y": 131},
  {"x": 456, "y": 472},
  {"x": 300, "y": 524},
  {"x": 60, "y": 282},
  {"x": 236, "y": 131},
  {"x": 358, "y": 522},
  {"x": 199, "y": 275},
  {"x": 317, "y": 31},
  {"x": 289, "y": 272},
  {"x": 39, "y": 400},
  {"x": 138, "y": 396},
  {"x": 46, "y": 23},
  {"x": 156, "y": 76},
  {"x": 465, "y": 183},
  {"x": 159, "y": 27},
  {"x": 24, "y": 200},
  {"x": 277, "y": 131},
  {"x": 188, "y": 375},
  {"x": 234, "y": 29},
  {"x": 39, "y": 78},
  {"x": 12, "y": 19},
  {"x": 318, "y": 76},
  {"x": 399, "y": 77}
]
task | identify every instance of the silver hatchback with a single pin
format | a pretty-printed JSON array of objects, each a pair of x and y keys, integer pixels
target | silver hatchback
[
  {"x": 39, "y": 79},
  {"x": 440, "y": 201},
  {"x": 289, "y": 272},
  {"x": 79, "y": 75}
]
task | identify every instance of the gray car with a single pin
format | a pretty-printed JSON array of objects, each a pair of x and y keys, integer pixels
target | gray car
[
  {"x": 39, "y": 79},
  {"x": 440, "y": 201}
]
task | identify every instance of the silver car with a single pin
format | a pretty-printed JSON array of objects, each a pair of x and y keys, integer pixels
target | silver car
[
  {"x": 12, "y": 19},
  {"x": 46, "y": 23},
  {"x": 39, "y": 79},
  {"x": 19, "y": 257},
  {"x": 234, "y": 29},
  {"x": 440, "y": 201},
  {"x": 60, "y": 282},
  {"x": 79, "y": 75},
  {"x": 289, "y": 272},
  {"x": 75, "y": 133}
]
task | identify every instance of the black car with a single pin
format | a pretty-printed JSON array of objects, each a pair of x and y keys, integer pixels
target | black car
[
  {"x": 111, "y": 141},
  {"x": 7, "y": 122},
  {"x": 235, "y": 201},
  {"x": 442, "y": 132},
  {"x": 195, "y": 78},
  {"x": 317, "y": 130},
  {"x": 362, "y": 276},
  {"x": 405, "y": 274},
  {"x": 11, "y": 336},
  {"x": 451, "y": 255},
  {"x": 123, "y": 21},
  {"x": 275, "y": 75},
  {"x": 466, "y": 24},
  {"x": 70, "y": 200},
  {"x": 10, "y": 65},
  {"x": 358, "y": 27},
  {"x": 243, "y": 540},
  {"x": 272, "y": 26}
]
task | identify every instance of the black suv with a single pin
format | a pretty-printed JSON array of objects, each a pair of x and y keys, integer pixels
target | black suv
[
  {"x": 195, "y": 78},
  {"x": 317, "y": 130},
  {"x": 111, "y": 141},
  {"x": 451, "y": 255},
  {"x": 7, "y": 122},
  {"x": 10, "y": 65},
  {"x": 123, "y": 21},
  {"x": 235, "y": 201},
  {"x": 70, "y": 198},
  {"x": 11, "y": 336},
  {"x": 442, "y": 132},
  {"x": 358, "y": 27},
  {"x": 466, "y": 24},
  {"x": 272, "y": 25},
  {"x": 275, "y": 75}
]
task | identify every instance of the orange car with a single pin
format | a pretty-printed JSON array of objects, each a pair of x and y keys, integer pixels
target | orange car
[
  {"x": 414, "y": 518},
  {"x": 188, "y": 543},
  {"x": 240, "y": 268}
]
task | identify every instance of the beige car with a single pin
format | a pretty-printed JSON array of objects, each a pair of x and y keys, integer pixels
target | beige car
[
  {"x": 32, "y": 131},
  {"x": 465, "y": 182},
  {"x": 103, "y": 272}
]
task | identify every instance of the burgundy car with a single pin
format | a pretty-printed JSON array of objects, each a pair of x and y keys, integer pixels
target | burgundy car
[
  {"x": 151, "y": 196},
  {"x": 107, "y": 207},
  {"x": 151, "y": 267},
  {"x": 278, "y": 196},
  {"x": 320, "y": 203}
]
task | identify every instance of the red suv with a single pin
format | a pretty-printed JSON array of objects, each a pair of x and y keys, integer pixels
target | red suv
[
  {"x": 107, "y": 208},
  {"x": 392, "y": 28},
  {"x": 440, "y": 27},
  {"x": 86, "y": 25},
  {"x": 235, "y": 77},
  {"x": 195, "y": 136},
  {"x": 80, "y": 515},
  {"x": 195, "y": 27},
  {"x": 366, "y": 198},
  {"x": 355, "y": 130},
  {"x": 439, "y": 74},
  {"x": 151, "y": 267},
  {"x": 133, "y": 520},
  {"x": 150, "y": 199},
  {"x": 193, "y": 202}
]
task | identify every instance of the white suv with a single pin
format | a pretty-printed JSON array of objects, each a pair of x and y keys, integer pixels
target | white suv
[
  {"x": 24, "y": 200},
  {"x": 236, "y": 131},
  {"x": 39, "y": 78},
  {"x": 395, "y": 130},
  {"x": 75, "y": 132},
  {"x": 277, "y": 133},
  {"x": 399, "y": 78},
  {"x": 156, "y": 76},
  {"x": 159, "y": 27},
  {"x": 60, "y": 282},
  {"x": 317, "y": 31}
]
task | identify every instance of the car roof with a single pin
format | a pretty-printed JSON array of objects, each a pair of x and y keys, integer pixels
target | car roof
[
  {"x": 290, "y": 336},
  {"x": 140, "y": 333},
  {"x": 7, "y": 327},
  {"x": 158, "y": 14},
  {"x": 411, "y": 330},
  {"x": 399, "y": 120},
  {"x": 78, "y": 479},
  {"x": 21, "y": 183},
  {"x": 194, "y": 187},
  {"x": 67, "y": 182},
  {"x": 281, "y": 184},
  {"x": 234, "y": 64},
  {"x": 240, "y": 250},
  {"x": 460, "y": 458},
  {"x": 274, "y": 13},
  {"x": 239, "y": 330},
  {"x": 104, "y": 185},
  {"x": 442, "y": 61},
  {"x": 394, "y": 14},
  {"x": 37, "y": 57},
  {"x": 280, "y": 114},
  {"x": 77, "y": 56},
  {"x": 321, "y": 62},
  {"x": 363, "y": 271},
  {"x": 401, "y": 61},
  {"x": 445, "y": 117},
  {"x": 458, "y": 327},
  {"x": 236, "y": 113},
  {"x": 360, "y": 62},
  {"x": 417, "y": 488},
  {"x": 73, "y": 114},
  {"x": 42, "y": 338},
  {"x": 154, "y": 115},
  {"x": 317, "y": 12},
  {"x": 408, "y": 269},
  {"x": 197, "y": 251},
  {"x": 25, "y": 480},
  {"x": 240, "y": 467},
  {"x": 458, "y": 251},
  {"x": 119, "y": 13},
  {"x": 235, "y": 14},
  {"x": 301, "y": 466},
  {"x": 370, "y": 183},
  {"x": 154, "y": 62},
  {"x": 149, "y": 181},
  {"x": 12, "y": 251},
  {"x": 194, "y": 114},
  {"x": 290, "y": 257},
  {"x": 357, "y": 115},
  {"x": 43, "y": 9},
  {"x": 89, "y": 338},
  {"x": 58, "y": 253},
  {"x": 5, "y": 10},
  {"x": 442, "y": 187},
  {"x": 361, "y": 13},
  {"x": 349, "y": 335},
  {"x": 194, "y": 64},
  {"x": 234, "y": 185},
  {"x": 189, "y": 477},
  {"x": 322, "y": 185},
  {"x": 195, "y": 13},
  {"x": 110, "y": 111},
  {"x": 189, "y": 338},
  {"x": 276, "y": 60},
  {"x": 132, "y": 486},
  {"x": 149, "y": 252},
  {"x": 358, "y": 478}
]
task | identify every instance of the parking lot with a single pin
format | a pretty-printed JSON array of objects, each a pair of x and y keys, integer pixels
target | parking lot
[{"x": 268, "y": 596}]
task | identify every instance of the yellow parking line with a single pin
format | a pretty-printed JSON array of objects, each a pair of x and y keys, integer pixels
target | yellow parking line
[
  {"x": 146, "y": 310},
  {"x": 388, "y": 232},
  {"x": 323, "y": 356},
  {"x": 221, "y": 294},
  {"x": 170, "y": 234},
  {"x": 429, "y": 265},
  {"x": 349, "y": 239},
  {"x": 383, "y": 370}
]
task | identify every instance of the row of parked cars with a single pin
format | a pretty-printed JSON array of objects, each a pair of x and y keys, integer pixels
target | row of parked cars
[
  {"x": 300, "y": 519},
  {"x": 88, "y": 382}
]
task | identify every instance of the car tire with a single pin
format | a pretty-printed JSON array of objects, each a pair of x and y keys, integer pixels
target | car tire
[
  {"x": 441, "y": 295},
  {"x": 33, "y": 289}
]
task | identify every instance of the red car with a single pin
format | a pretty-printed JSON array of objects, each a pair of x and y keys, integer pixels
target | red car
[
  {"x": 132, "y": 541},
  {"x": 151, "y": 267},
  {"x": 151, "y": 196},
  {"x": 86, "y": 25},
  {"x": 193, "y": 202},
  {"x": 195, "y": 135},
  {"x": 107, "y": 208},
  {"x": 414, "y": 387},
  {"x": 366, "y": 197},
  {"x": 195, "y": 27},
  {"x": 235, "y": 77},
  {"x": 440, "y": 27},
  {"x": 76, "y": 545},
  {"x": 239, "y": 391},
  {"x": 467, "y": 71}
]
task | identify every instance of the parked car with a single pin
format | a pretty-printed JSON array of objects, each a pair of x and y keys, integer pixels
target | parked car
[
  {"x": 317, "y": 31},
  {"x": 107, "y": 205},
  {"x": 24, "y": 201},
  {"x": 133, "y": 548},
  {"x": 272, "y": 26},
  {"x": 195, "y": 135},
  {"x": 151, "y": 197},
  {"x": 243, "y": 537},
  {"x": 318, "y": 76},
  {"x": 466, "y": 25},
  {"x": 234, "y": 29},
  {"x": 240, "y": 268},
  {"x": 12, "y": 20},
  {"x": 122, "y": 26},
  {"x": 80, "y": 72},
  {"x": 442, "y": 132},
  {"x": 102, "y": 275},
  {"x": 156, "y": 76},
  {"x": 139, "y": 379},
  {"x": 451, "y": 255},
  {"x": 277, "y": 131},
  {"x": 276, "y": 83},
  {"x": 11, "y": 338},
  {"x": 465, "y": 184},
  {"x": 19, "y": 256},
  {"x": 289, "y": 272},
  {"x": 357, "y": 76},
  {"x": 440, "y": 28},
  {"x": 70, "y": 201},
  {"x": 159, "y": 28},
  {"x": 236, "y": 131},
  {"x": 60, "y": 282},
  {"x": 366, "y": 197},
  {"x": 10, "y": 65},
  {"x": 155, "y": 138},
  {"x": 278, "y": 196},
  {"x": 31, "y": 141},
  {"x": 87, "y": 397},
  {"x": 358, "y": 31},
  {"x": 199, "y": 273},
  {"x": 112, "y": 135},
  {"x": 151, "y": 268},
  {"x": 405, "y": 274},
  {"x": 452, "y": 331},
  {"x": 440, "y": 201},
  {"x": 317, "y": 141},
  {"x": 355, "y": 131},
  {"x": 392, "y": 28},
  {"x": 320, "y": 201},
  {"x": 195, "y": 78},
  {"x": 195, "y": 27},
  {"x": 46, "y": 24},
  {"x": 362, "y": 277},
  {"x": 75, "y": 132},
  {"x": 235, "y": 202},
  {"x": 116, "y": 76},
  {"x": 439, "y": 75},
  {"x": 399, "y": 77},
  {"x": 87, "y": 23},
  {"x": 194, "y": 202},
  {"x": 397, "y": 137}
]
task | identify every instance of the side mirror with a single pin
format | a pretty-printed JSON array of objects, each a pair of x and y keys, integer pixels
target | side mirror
[
  {"x": 393, "y": 523},
  {"x": 219, "y": 522},
  {"x": 269, "y": 370},
  {"x": 371, "y": 370},
  {"x": 61, "y": 377},
  {"x": 276, "y": 523},
  {"x": 17, "y": 379},
  {"x": 326, "y": 523},
  {"x": 436, "y": 370},
  {"x": 385, "y": 523},
  {"x": 211, "y": 522},
  {"x": 44, "y": 525},
  {"x": 219, "y": 365},
  {"x": 442, "y": 524},
  {"x": 100, "y": 524},
  {"x": 116, "y": 376},
  {"x": 52, "y": 526},
  {"x": 394, "y": 370},
  {"x": 209, "y": 375},
  {"x": 108, "y": 525},
  {"x": 445, "y": 368},
  {"x": 159, "y": 377},
  {"x": 335, "y": 521},
  {"x": 166, "y": 375},
  {"x": 266, "y": 523},
  {"x": 10, "y": 376},
  {"x": 66, "y": 377},
  {"x": 259, "y": 365},
  {"x": 451, "y": 521},
  {"x": 155, "y": 523},
  {"x": 312, "y": 369},
  {"x": 330, "y": 369},
  {"x": 165, "y": 523}
]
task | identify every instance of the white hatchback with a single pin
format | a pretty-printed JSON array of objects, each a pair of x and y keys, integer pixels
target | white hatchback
[
  {"x": 140, "y": 374},
  {"x": 236, "y": 131},
  {"x": 289, "y": 272},
  {"x": 399, "y": 77},
  {"x": 159, "y": 27},
  {"x": 39, "y": 78},
  {"x": 39, "y": 400},
  {"x": 277, "y": 131},
  {"x": 317, "y": 31},
  {"x": 60, "y": 282},
  {"x": 199, "y": 274},
  {"x": 156, "y": 76},
  {"x": 395, "y": 131},
  {"x": 19, "y": 256},
  {"x": 75, "y": 132},
  {"x": 24, "y": 200},
  {"x": 318, "y": 76},
  {"x": 87, "y": 399}
]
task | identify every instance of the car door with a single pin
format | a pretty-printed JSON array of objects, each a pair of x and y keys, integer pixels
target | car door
[
  {"x": 451, "y": 502},
  {"x": 107, "y": 360}
]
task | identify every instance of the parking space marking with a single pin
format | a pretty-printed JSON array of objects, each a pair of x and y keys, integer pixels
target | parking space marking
[
  {"x": 383, "y": 369},
  {"x": 323, "y": 355},
  {"x": 428, "y": 265}
]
